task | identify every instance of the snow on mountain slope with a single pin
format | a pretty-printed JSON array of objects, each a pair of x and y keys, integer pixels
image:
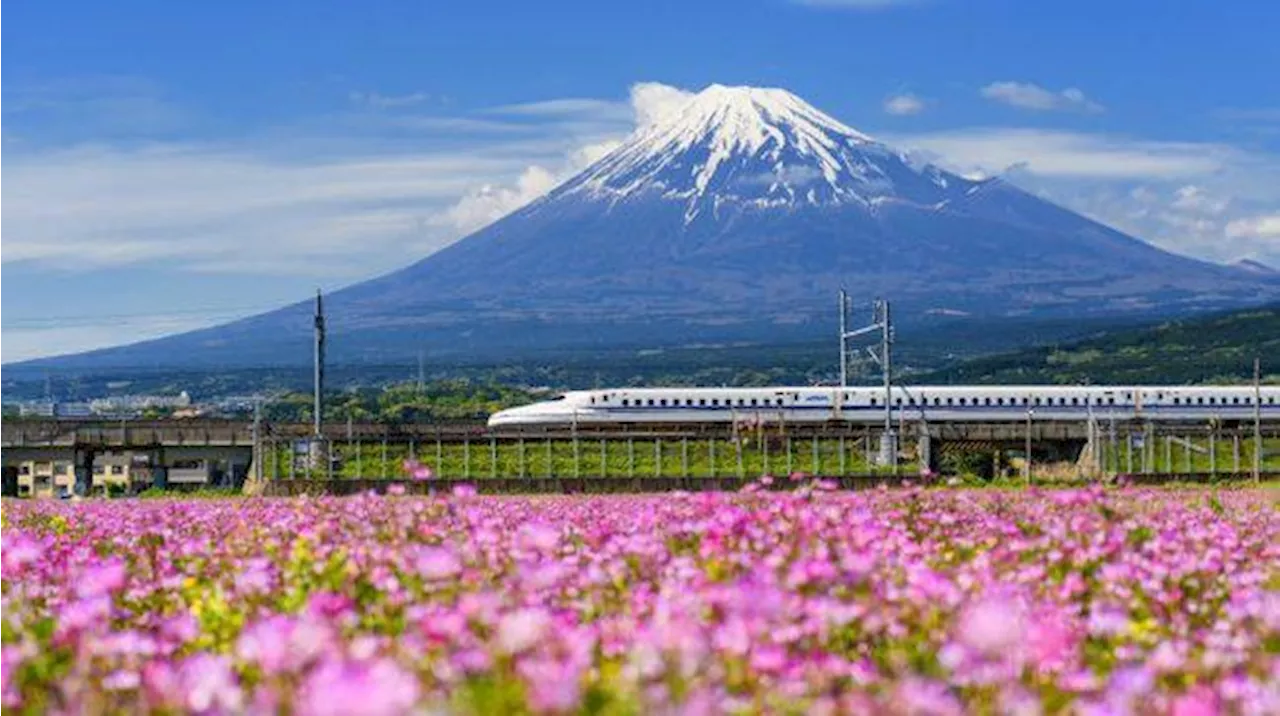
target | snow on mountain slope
[{"x": 764, "y": 147}]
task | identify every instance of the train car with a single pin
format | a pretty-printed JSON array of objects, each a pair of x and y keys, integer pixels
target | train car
[{"x": 906, "y": 403}]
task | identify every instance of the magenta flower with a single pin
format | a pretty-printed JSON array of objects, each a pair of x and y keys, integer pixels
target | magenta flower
[
  {"x": 105, "y": 578},
  {"x": 437, "y": 563},
  {"x": 992, "y": 626},
  {"x": 522, "y": 630},
  {"x": 377, "y": 688}
]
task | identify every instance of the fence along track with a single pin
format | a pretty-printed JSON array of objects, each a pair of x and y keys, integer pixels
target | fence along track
[{"x": 639, "y": 485}]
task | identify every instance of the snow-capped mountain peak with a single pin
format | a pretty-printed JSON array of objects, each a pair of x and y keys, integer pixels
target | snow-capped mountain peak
[{"x": 762, "y": 147}]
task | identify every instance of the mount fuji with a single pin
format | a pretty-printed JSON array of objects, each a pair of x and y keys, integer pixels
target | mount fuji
[{"x": 736, "y": 218}]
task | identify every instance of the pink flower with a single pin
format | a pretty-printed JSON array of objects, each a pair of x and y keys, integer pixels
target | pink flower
[
  {"x": 539, "y": 537},
  {"x": 105, "y": 578},
  {"x": 991, "y": 626},
  {"x": 520, "y": 630},
  {"x": 339, "y": 688},
  {"x": 1200, "y": 701},
  {"x": 437, "y": 563},
  {"x": 464, "y": 491}
]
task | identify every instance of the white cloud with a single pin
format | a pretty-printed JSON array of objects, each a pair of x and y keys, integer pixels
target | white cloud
[
  {"x": 1026, "y": 95},
  {"x": 650, "y": 102},
  {"x": 22, "y": 343},
  {"x": 904, "y": 104},
  {"x": 571, "y": 106},
  {"x": 1068, "y": 154},
  {"x": 1265, "y": 227},
  {"x": 489, "y": 203},
  {"x": 1203, "y": 199},
  {"x": 654, "y": 102}
]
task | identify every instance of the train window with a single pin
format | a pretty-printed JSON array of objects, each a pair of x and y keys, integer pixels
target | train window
[
  {"x": 715, "y": 401},
  {"x": 873, "y": 402},
  {"x": 754, "y": 401},
  {"x": 911, "y": 401},
  {"x": 625, "y": 402},
  {"x": 702, "y": 401},
  {"x": 986, "y": 401},
  {"x": 999, "y": 401},
  {"x": 962, "y": 401},
  {"x": 779, "y": 401},
  {"x": 650, "y": 401},
  {"x": 1212, "y": 400},
  {"x": 897, "y": 401},
  {"x": 951, "y": 401},
  {"x": 1037, "y": 401},
  {"x": 1235, "y": 401},
  {"x": 1111, "y": 400},
  {"x": 937, "y": 401},
  {"x": 1075, "y": 401}
]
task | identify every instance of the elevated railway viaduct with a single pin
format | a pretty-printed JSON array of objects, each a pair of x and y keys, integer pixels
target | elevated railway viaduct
[{"x": 231, "y": 451}]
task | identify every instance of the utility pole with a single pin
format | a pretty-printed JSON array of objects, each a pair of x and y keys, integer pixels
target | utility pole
[
  {"x": 1026, "y": 469},
  {"x": 880, "y": 322},
  {"x": 889, "y": 448},
  {"x": 319, "y": 450},
  {"x": 1257, "y": 420},
  {"x": 844, "y": 332},
  {"x": 318, "y": 387},
  {"x": 422, "y": 375},
  {"x": 257, "y": 439}
]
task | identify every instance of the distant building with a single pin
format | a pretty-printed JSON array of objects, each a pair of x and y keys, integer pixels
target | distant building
[
  {"x": 132, "y": 404},
  {"x": 72, "y": 410},
  {"x": 46, "y": 478},
  {"x": 36, "y": 409}
]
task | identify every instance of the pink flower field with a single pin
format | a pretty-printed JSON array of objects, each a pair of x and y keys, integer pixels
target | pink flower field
[{"x": 900, "y": 602}]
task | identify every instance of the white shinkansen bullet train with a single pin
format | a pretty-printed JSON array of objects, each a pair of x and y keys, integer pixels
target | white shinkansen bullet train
[{"x": 909, "y": 403}]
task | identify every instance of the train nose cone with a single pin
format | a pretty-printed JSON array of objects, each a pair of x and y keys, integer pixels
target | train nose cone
[{"x": 502, "y": 417}]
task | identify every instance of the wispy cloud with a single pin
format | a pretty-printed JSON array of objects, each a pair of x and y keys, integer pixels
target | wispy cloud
[
  {"x": 1265, "y": 227},
  {"x": 318, "y": 200},
  {"x": 570, "y": 106},
  {"x": 1204, "y": 199},
  {"x": 1026, "y": 95},
  {"x": 101, "y": 108},
  {"x": 1070, "y": 154},
  {"x": 904, "y": 104},
  {"x": 384, "y": 101}
]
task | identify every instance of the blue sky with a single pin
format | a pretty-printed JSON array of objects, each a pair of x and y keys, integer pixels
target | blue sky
[{"x": 171, "y": 165}]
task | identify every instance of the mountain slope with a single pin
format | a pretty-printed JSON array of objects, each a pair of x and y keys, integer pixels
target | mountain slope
[
  {"x": 737, "y": 218},
  {"x": 1218, "y": 348}
]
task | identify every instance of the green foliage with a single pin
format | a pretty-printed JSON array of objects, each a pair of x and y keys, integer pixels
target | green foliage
[
  {"x": 1213, "y": 349},
  {"x": 439, "y": 401},
  {"x": 590, "y": 458}
]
